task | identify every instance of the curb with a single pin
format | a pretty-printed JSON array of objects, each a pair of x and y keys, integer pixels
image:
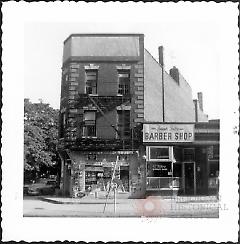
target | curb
[
  {"x": 77, "y": 202},
  {"x": 50, "y": 200}
]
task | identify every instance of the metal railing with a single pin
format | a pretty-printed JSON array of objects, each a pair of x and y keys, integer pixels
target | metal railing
[{"x": 158, "y": 183}]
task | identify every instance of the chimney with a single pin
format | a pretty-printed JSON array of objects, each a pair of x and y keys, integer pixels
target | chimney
[
  {"x": 200, "y": 100},
  {"x": 195, "y": 101},
  {"x": 160, "y": 55},
  {"x": 174, "y": 73}
]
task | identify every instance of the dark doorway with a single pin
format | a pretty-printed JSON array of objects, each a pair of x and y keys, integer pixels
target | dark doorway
[
  {"x": 124, "y": 177},
  {"x": 189, "y": 178}
]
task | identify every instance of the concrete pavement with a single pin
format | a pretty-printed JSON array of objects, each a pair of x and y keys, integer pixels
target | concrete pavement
[{"x": 184, "y": 207}]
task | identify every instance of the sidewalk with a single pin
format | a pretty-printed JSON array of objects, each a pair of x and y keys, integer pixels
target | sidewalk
[
  {"x": 88, "y": 206},
  {"x": 123, "y": 199}
]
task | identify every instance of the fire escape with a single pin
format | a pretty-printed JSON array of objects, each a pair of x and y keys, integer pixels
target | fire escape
[{"x": 103, "y": 105}]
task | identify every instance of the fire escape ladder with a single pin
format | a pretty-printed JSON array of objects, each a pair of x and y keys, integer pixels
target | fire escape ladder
[{"x": 104, "y": 116}]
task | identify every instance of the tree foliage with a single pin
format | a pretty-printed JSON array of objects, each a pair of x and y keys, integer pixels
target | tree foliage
[{"x": 40, "y": 135}]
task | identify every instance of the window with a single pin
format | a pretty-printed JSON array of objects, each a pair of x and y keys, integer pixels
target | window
[
  {"x": 159, "y": 153},
  {"x": 91, "y": 81},
  {"x": 89, "y": 128},
  {"x": 213, "y": 169},
  {"x": 124, "y": 82},
  {"x": 177, "y": 154},
  {"x": 216, "y": 152},
  {"x": 92, "y": 157},
  {"x": 213, "y": 181},
  {"x": 64, "y": 88},
  {"x": 123, "y": 123},
  {"x": 177, "y": 170},
  {"x": 159, "y": 169},
  {"x": 62, "y": 124},
  {"x": 66, "y": 78}
]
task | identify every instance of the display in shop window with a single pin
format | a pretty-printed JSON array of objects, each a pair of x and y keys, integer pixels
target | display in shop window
[{"x": 159, "y": 169}]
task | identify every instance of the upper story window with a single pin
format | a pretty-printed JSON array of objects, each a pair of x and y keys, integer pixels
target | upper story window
[
  {"x": 92, "y": 156},
  {"x": 89, "y": 128},
  {"x": 64, "y": 88},
  {"x": 91, "y": 81},
  {"x": 66, "y": 78},
  {"x": 123, "y": 121},
  {"x": 124, "y": 82},
  {"x": 62, "y": 124}
]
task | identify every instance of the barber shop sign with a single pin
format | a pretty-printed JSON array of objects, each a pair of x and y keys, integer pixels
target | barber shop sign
[{"x": 168, "y": 132}]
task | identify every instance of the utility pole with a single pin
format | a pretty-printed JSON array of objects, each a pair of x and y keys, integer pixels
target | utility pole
[{"x": 161, "y": 61}]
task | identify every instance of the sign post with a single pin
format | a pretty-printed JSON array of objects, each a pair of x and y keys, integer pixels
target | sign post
[{"x": 115, "y": 198}]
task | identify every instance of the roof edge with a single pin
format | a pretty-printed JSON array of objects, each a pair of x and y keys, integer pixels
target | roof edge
[{"x": 101, "y": 34}]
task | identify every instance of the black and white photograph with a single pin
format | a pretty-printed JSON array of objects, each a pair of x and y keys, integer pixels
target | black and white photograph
[{"x": 120, "y": 116}]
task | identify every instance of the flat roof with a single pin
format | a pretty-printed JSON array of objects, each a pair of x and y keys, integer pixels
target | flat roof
[{"x": 102, "y": 34}]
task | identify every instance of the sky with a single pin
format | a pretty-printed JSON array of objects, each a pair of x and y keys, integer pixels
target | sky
[{"x": 193, "y": 37}]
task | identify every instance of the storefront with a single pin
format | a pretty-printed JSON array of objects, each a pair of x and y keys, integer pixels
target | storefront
[
  {"x": 170, "y": 158},
  {"x": 175, "y": 158},
  {"x": 92, "y": 171},
  {"x": 177, "y": 163}
]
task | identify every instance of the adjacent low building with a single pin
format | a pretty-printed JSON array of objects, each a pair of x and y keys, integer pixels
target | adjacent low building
[{"x": 118, "y": 104}]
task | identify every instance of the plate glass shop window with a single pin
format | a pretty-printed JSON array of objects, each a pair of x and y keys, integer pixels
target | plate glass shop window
[
  {"x": 159, "y": 169},
  {"x": 89, "y": 128},
  {"x": 159, "y": 153},
  {"x": 177, "y": 170},
  {"x": 91, "y": 81}
]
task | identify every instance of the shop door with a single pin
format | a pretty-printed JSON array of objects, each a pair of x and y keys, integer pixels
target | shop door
[
  {"x": 124, "y": 177},
  {"x": 189, "y": 178}
]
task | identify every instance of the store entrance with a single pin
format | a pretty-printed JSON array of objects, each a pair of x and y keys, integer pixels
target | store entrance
[
  {"x": 124, "y": 177},
  {"x": 189, "y": 178}
]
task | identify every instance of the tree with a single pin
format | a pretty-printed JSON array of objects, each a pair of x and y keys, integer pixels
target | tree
[{"x": 40, "y": 138}]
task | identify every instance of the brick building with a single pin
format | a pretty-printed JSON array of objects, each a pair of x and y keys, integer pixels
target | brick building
[{"x": 113, "y": 93}]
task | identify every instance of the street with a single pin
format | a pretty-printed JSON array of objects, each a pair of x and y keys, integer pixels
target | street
[{"x": 150, "y": 207}]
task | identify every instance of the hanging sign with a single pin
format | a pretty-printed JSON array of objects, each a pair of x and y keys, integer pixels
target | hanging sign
[{"x": 168, "y": 133}]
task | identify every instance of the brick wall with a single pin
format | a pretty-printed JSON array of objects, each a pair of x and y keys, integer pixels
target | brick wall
[
  {"x": 107, "y": 86},
  {"x": 104, "y": 130}
]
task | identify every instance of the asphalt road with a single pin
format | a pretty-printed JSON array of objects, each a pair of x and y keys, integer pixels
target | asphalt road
[{"x": 150, "y": 207}]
